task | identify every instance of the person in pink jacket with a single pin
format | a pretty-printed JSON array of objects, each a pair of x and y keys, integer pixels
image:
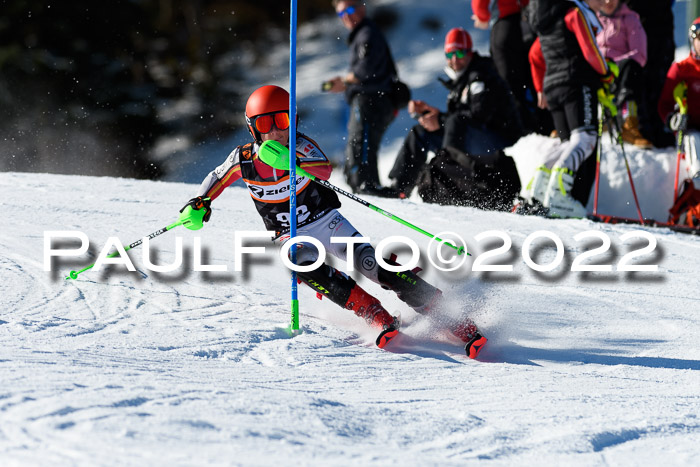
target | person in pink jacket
[{"x": 623, "y": 40}]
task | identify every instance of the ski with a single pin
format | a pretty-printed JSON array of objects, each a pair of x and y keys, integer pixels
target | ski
[
  {"x": 606, "y": 219},
  {"x": 473, "y": 339},
  {"x": 474, "y": 346},
  {"x": 386, "y": 336}
]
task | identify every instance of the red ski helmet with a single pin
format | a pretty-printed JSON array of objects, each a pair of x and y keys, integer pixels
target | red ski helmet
[
  {"x": 458, "y": 39},
  {"x": 694, "y": 32},
  {"x": 265, "y": 100}
]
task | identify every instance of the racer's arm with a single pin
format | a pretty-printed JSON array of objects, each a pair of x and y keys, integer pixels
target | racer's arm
[
  {"x": 198, "y": 209},
  {"x": 221, "y": 177},
  {"x": 312, "y": 159}
]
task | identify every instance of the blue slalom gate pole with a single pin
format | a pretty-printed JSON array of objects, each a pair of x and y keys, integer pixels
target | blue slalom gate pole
[{"x": 292, "y": 157}]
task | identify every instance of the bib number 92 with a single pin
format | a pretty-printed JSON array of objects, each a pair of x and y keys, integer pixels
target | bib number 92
[{"x": 284, "y": 218}]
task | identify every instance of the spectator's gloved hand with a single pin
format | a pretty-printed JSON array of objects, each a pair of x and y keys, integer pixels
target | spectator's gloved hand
[
  {"x": 607, "y": 100},
  {"x": 680, "y": 95},
  {"x": 195, "y": 212},
  {"x": 678, "y": 121}
]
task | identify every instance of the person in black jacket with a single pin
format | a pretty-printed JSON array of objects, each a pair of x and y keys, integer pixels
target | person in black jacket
[
  {"x": 481, "y": 117},
  {"x": 366, "y": 89},
  {"x": 657, "y": 21}
]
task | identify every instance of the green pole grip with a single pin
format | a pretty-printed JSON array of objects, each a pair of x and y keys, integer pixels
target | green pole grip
[{"x": 295, "y": 315}]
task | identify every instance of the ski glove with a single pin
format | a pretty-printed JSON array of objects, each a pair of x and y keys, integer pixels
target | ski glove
[
  {"x": 678, "y": 122},
  {"x": 680, "y": 95},
  {"x": 195, "y": 212},
  {"x": 607, "y": 100}
]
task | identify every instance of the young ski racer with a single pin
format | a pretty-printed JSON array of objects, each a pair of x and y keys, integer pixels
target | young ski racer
[{"x": 267, "y": 116}]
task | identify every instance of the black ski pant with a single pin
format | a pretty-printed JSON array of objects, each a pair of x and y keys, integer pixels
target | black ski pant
[
  {"x": 660, "y": 56},
  {"x": 370, "y": 116},
  {"x": 509, "y": 53},
  {"x": 480, "y": 144},
  {"x": 413, "y": 155},
  {"x": 573, "y": 107}
]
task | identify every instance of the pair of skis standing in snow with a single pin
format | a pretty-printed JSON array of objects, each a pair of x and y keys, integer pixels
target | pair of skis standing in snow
[{"x": 267, "y": 116}]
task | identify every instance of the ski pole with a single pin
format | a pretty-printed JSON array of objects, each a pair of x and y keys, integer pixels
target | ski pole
[
  {"x": 74, "y": 274},
  {"x": 271, "y": 152},
  {"x": 680, "y": 94},
  {"x": 599, "y": 149},
  {"x": 627, "y": 165}
]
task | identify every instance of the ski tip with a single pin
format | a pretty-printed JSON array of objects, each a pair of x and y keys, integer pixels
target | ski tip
[
  {"x": 385, "y": 336},
  {"x": 475, "y": 345}
]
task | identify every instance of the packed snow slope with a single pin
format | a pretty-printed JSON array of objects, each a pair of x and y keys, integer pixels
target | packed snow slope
[{"x": 195, "y": 368}]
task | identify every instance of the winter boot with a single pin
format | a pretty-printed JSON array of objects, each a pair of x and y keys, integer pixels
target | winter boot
[
  {"x": 631, "y": 134},
  {"x": 558, "y": 199},
  {"x": 531, "y": 204},
  {"x": 537, "y": 188},
  {"x": 368, "y": 307},
  {"x": 471, "y": 336}
]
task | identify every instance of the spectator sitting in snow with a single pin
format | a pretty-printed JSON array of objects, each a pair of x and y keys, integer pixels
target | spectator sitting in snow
[
  {"x": 567, "y": 68},
  {"x": 623, "y": 40},
  {"x": 480, "y": 119}
]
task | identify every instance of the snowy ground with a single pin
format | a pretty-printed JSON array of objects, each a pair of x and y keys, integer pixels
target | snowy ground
[
  {"x": 193, "y": 368},
  {"x": 142, "y": 368}
]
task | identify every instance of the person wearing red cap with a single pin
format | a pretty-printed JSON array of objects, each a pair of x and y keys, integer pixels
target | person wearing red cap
[
  {"x": 480, "y": 121},
  {"x": 267, "y": 117},
  {"x": 683, "y": 82},
  {"x": 568, "y": 69}
]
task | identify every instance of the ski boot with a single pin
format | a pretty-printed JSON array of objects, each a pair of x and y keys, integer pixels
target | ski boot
[
  {"x": 368, "y": 307},
  {"x": 470, "y": 334},
  {"x": 410, "y": 288}
]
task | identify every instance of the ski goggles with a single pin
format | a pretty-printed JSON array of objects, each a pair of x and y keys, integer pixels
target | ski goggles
[
  {"x": 694, "y": 30},
  {"x": 348, "y": 11},
  {"x": 458, "y": 53},
  {"x": 263, "y": 123}
]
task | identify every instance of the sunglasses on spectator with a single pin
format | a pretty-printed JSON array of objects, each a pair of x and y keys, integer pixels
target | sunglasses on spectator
[
  {"x": 349, "y": 10},
  {"x": 458, "y": 53},
  {"x": 263, "y": 123}
]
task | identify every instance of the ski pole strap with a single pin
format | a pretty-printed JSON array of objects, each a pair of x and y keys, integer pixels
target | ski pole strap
[{"x": 74, "y": 274}]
